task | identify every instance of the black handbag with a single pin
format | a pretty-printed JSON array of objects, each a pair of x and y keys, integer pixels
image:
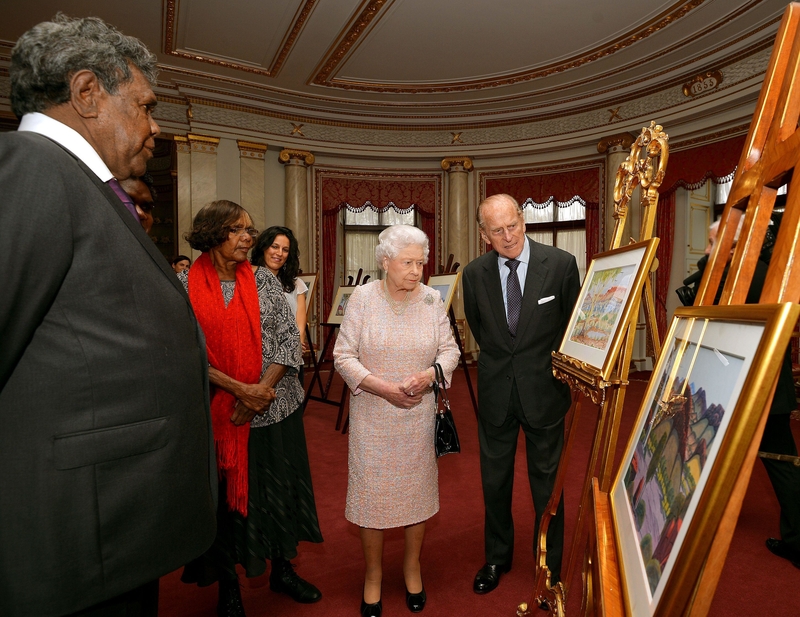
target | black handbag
[{"x": 445, "y": 436}]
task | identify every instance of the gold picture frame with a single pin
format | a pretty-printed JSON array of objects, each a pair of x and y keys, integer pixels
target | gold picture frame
[
  {"x": 613, "y": 284},
  {"x": 310, "y": 279},
  {"x": 698, "y": 418},
  {"x": 339, "y": 306},
  {"x": 446, "y": 285}
]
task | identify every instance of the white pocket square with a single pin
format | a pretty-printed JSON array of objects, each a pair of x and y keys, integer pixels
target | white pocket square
[{"x": 546, "y": 300}]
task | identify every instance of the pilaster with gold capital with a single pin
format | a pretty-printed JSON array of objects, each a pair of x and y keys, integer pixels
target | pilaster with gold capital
[
  {"x": 297, "y": 208},
  {"x": 252, "y": 183},
  {"x": 457, "y": 217}
]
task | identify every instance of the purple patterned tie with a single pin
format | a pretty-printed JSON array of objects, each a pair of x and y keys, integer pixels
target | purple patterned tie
[
  {"x": 126, "y": 199},
  {"x": 513, "y": 297}
]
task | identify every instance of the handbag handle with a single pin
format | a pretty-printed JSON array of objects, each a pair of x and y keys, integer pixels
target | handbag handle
[{"x": 440, "y": 387}]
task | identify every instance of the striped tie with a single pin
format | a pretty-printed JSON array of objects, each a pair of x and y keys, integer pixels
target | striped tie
[{"x": 513, "y": 297}]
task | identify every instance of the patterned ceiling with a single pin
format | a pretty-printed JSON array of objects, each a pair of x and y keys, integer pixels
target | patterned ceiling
[{"x": 417, "y": 75}]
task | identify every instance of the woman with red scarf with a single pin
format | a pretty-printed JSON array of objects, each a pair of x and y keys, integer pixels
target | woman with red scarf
[{"x": 266, "y": 503}]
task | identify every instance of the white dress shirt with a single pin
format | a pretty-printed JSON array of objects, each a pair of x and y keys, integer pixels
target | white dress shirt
[{"x": 69, "y": 138}]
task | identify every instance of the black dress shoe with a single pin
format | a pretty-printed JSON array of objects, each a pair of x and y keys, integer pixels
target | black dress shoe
[
  {"x": 781, "y": 549},
  {"x": 371, "y": 610},
  {"x": 416, "y": 601},
  {"x": 230, "y": 599},
  {"x": 284, "y": 579},
  {"x": 488, "y": 577}
]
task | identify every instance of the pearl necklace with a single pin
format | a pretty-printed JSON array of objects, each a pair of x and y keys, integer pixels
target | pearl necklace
[{"x": 398, "y": 306}]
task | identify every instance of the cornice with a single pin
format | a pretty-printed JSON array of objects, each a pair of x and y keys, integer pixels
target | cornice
[
  {"x": 203, "y": 143},
  {"x": 289, "y": 39},
  {"x": 251, "y": 149}
]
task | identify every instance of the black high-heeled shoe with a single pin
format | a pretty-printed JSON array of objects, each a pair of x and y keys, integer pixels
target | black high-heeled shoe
[
  {"x": 371, "y": 610},
  {"x": 416, "y": 601}
]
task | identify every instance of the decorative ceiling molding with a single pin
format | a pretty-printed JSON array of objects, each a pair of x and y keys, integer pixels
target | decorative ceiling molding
[
  {"x": 325, "y": 75},
  {"x": 289, "y": 39},
  {"x": 746, "y": 67},
  {"x": 760, "y": 45}
]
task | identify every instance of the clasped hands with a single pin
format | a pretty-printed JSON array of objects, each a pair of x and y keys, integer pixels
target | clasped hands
[
  {"x": 410, "y": 391},
  {"x": 252, "y": 399}
]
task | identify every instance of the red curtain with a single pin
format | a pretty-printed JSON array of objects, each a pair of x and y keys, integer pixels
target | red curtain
[
  {"x": 562, "y": 186},
  {"x": 689, "y": 169},
  {"x": 338, "y": 193},
  {"x": 692, "y": 168}
]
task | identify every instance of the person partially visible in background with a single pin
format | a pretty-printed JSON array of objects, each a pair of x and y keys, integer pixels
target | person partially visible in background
[
  {"x": 141, "y": 190},
  {"x": 181, "y": 263}
]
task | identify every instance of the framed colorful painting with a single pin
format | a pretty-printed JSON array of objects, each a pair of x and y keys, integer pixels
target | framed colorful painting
[
  {"x": 707, "y": 394},
  {"x": 339, "y": 305},
  {"x": 595, "y": 331}
]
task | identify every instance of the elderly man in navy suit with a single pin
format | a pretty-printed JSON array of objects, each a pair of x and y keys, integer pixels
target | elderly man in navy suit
[
  {"x": 518, "y": 299},
  {"x": 106, "y": 457}
]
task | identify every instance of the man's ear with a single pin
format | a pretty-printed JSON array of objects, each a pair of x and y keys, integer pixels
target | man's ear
[{"x": 85, "y": 93}]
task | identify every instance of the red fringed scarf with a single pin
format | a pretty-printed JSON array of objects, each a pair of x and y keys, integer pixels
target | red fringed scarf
[{"x": 233, "y": 341}]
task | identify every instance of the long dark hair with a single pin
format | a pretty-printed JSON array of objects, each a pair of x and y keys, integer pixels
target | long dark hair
[{"x": 291, "y": 268}]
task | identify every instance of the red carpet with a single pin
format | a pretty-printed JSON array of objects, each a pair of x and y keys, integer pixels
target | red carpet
[{"x": 754, "y": 582}]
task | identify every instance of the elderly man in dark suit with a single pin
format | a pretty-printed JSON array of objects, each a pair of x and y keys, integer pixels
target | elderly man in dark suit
[
  {"x": 518, "y": 299},
  {"x": 106, "y": 459}
]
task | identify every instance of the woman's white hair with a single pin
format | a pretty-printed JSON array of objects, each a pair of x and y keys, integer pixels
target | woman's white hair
[{"x": 397, "y": 237}]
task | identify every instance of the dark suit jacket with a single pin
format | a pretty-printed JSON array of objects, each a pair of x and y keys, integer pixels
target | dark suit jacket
[
  {"x": 526, "y": 359},
  {"x": 107, "y": 474}
]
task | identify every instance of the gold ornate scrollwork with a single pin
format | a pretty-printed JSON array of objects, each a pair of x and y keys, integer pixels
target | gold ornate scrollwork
[
  {"x": 297, "y": 156},
  {"x": 644, "y": 167}
]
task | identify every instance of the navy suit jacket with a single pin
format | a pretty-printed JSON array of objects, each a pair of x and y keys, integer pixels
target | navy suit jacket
[
  {"x": 107, "y": 471},
  {"x": 525, "y": 358}
]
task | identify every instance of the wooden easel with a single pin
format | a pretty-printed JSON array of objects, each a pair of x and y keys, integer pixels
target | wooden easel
[
  {"x": 769, "y": 158},
  {"x": 452, "y": 268},
  {"x": 608, "y": 393},
  {"x": 318, "y": 364}
]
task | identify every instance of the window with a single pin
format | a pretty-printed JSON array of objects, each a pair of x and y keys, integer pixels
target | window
[
  {"x": 561, "y": 224},
  {"x": 361, "y": 229}
]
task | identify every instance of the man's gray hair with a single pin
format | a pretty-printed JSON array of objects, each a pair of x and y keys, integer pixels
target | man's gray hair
[
  {"x": 46, "y": 56},
  {"x": 397, "y": 237}
]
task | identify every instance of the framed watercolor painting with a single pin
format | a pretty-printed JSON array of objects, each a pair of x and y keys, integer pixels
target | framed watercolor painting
[
  {"x": 339, "y": 305},
  {"x": 446, "y": 285},
  {"x": 310, "y": 279},
  {"x": 596, "y": 328},
  {"x": 699, "y": 415}
]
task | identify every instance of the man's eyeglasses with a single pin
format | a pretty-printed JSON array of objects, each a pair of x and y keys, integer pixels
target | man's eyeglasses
[{"x": 240, "y": 231}]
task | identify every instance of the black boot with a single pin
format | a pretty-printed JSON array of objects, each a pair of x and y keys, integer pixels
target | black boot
[
  {"x": 283, "y": 579},
  {"x": 230, "y": 599}
]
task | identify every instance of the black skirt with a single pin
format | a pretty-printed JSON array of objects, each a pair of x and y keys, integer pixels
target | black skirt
[{"x": 281, "y": 511}]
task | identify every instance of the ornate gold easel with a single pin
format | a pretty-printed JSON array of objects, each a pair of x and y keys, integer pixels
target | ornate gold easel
[
  {"x": 644, "y": 167},
  {"x": 769, "y": 159}
]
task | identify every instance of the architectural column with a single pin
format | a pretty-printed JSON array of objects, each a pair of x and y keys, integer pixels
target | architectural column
[
  {"x": 184, "y": 193},
  {"x": 456, "y": 240},
  {"x": 616, "y": 148},
  {"x": 297, "y": 210},
  {"x": 203, "y": 173},
  {"x": 251, "y": 172}
]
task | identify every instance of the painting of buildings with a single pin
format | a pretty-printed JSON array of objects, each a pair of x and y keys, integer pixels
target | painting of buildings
[{"x": 602, "y": 306}]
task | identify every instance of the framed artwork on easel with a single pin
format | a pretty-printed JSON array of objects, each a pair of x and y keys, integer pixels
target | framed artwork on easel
[
  {"x": 697, "y": 420},
  {"x": 446, "y": 285},
  {"x": 310, "y": 279},
  {"x": 611, "y": 288},
  {"x": 339, "y": 305}
]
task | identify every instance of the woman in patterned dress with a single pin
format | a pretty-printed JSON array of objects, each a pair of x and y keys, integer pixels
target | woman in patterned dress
[
  {"x": 393, "y": 332},
  {"x": 266, "y": 501}
]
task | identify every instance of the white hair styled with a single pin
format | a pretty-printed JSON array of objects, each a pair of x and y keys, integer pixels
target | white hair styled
[{"x": 394, "y": 239}]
